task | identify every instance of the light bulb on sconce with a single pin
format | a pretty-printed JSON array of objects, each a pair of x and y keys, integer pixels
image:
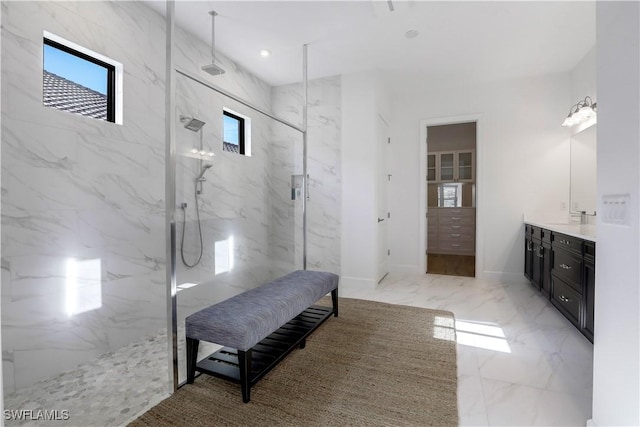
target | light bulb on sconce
[{"x": 581, "y": 112}]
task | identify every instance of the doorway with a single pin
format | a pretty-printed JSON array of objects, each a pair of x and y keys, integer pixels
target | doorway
[{"x": 451, "y": 199}]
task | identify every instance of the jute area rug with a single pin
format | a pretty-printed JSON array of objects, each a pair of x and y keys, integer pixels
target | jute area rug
[{"x": 375, "y": 364}]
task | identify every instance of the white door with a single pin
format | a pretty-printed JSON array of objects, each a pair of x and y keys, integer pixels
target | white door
[{"x": 383, "y": 189}]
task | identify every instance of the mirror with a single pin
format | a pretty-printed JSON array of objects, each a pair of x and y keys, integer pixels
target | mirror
[{"x": 582, "y": 190}]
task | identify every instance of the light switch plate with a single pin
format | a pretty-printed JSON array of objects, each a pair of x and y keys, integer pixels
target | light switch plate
[{"x": 615, "y": 209}]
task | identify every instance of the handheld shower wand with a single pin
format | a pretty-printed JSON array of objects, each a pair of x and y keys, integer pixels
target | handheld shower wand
[{"x": 201, "y": 177}]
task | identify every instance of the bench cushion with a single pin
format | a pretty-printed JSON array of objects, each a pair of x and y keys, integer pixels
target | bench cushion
[{"x": 242, "y": 321}]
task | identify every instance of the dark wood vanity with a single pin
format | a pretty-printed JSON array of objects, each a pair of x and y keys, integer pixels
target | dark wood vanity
[{"x": 562, "y": 267}]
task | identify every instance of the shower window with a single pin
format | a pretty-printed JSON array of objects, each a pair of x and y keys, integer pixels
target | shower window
[
  {"x": 234, "y": 139},
  {"x": 77, "y": 80}
]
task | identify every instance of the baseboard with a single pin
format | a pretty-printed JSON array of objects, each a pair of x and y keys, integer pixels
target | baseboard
[
  {"x": 504, "y": 277},
  {"x": 347, "y": 282},
  {"x": 405, "y": 269},
  {"x": 591, "y": 423}
]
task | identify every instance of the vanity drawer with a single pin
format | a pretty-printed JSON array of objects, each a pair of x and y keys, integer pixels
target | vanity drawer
[
  {"x": 456, "y": 219},
  {"x": 448, "y": 229},
  {"x": 449, "y": 246},
  {"x": 567, "y": 299},
  {"x": 546, "y": 235},
  {"x": 568, "y": 267},
  {"x": 567, "y": 243}
]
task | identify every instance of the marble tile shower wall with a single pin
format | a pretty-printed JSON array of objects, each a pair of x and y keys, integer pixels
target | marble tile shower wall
[
  {"x": 324, "y": 167},
  {"x": 82, "y": 199}
]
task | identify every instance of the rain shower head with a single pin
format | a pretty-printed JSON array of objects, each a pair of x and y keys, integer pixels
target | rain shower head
[
  {"x": 192, "y": 123},
  {"x": 212, "y": 68}
]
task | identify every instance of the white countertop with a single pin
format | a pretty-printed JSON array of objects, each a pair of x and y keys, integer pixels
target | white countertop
[{"x": 586, "y": 231}]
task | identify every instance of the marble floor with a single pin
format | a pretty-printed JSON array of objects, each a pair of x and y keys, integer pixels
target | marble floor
[{"x": 519, "y": 361}]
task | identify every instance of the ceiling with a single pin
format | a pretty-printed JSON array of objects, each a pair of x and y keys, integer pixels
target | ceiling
[{"x": 458, "y": 42}]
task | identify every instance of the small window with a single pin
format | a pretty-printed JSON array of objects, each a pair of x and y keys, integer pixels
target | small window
[
  {"x": 78, "y": 82},
  {"x": 234, "y": 134}
]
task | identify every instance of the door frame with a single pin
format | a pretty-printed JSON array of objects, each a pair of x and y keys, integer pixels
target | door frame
[
  {"x": 382, "y": 188},
  {"x": 479, "y": 174}
]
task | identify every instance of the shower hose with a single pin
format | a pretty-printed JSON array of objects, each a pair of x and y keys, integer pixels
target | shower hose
[{"x": 184, "y": 226}]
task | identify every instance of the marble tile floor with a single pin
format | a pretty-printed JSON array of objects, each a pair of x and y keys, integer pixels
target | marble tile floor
[{"x": 519, "y": 361}]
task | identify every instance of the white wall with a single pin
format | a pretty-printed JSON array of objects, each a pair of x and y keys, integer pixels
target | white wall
[
  {"x": 616, "y": 379},
  {"x": 523, "y": 165},
  {"x": 583, "y": 78},
  {"x": 363, "y": 100}
]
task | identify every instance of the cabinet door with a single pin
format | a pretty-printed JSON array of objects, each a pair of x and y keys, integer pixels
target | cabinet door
[
  {"x": 465, "y": 166},
  {"x": 545, "y": 280},
  {"x": 447, "y": 166},
  {"x": 528, "y": 256},
  {"x": 431, "y": 167},
  {"x": 536, "y": 264}
]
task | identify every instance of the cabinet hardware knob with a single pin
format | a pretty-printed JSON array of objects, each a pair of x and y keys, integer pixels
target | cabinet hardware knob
[
  {"x": 563, "y": 298},
  {"x": 455, "y": 226},
  {"x": 455, "y": 234},
  {"x": 455, "y": 245},
  {"x": 565, "y": 266},
  {"x": 455, "y": 218}
]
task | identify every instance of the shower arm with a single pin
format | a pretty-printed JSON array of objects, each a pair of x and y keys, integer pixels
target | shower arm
[{"x": 213, "y": 14}]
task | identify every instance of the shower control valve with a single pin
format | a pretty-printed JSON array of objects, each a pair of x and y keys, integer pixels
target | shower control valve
[{"x": 183, "y": 205}]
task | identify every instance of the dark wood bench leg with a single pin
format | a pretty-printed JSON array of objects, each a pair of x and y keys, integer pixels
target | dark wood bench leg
[
  {"x": 334, "y": 299},
  {"x": 192, "y": 359},
  {"x": 302, "y": 343},
  {"x": 244, "y": 362}
]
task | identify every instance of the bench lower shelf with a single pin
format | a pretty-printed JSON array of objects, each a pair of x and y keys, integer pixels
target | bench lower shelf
[{"x": 226, "y": 363}]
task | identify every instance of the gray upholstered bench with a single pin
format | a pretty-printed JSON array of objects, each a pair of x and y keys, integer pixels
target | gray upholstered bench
[{"x": 259, "y": 327}]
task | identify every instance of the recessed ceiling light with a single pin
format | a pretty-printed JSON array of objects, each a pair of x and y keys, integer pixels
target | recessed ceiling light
[
  {"x": 265, "y": 53},
  {"x": 411, "y": 34}
]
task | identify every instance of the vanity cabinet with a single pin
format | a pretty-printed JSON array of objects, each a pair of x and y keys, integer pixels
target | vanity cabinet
[
  {"x": 562, "y": 267},
  {"x": 451, "y": 166}
]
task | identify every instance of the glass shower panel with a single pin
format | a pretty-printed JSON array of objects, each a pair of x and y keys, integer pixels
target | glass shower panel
[{"x": 238, "y": 222}]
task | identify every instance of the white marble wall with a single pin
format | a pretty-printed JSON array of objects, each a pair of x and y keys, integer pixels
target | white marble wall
[
  {"x": 323, "y": 164},
  {"x": 79, "y": 188}
]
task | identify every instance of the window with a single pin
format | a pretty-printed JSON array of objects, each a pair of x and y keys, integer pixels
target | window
[
  {"x": 236, "y": 132},
  {"x": 233, "y": 140},
  {"x": 79, "y": 81}
]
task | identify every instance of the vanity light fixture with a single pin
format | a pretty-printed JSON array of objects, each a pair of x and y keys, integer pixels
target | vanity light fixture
[{"x": 581, "y": 112}]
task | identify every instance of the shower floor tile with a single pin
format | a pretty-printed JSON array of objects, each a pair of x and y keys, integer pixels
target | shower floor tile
[{"x": 109, "y": 391}]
